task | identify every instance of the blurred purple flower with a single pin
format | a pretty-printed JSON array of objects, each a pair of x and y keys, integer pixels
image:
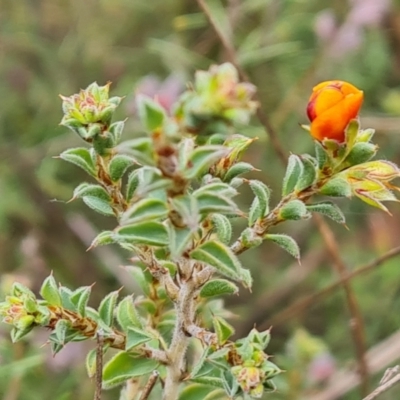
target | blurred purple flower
[
  {"x": 164, "y": 92},
  {"x": 349, "y": 36},
  {"x": 321, "y": 367}
]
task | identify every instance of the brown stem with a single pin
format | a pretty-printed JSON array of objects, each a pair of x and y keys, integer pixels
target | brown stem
[
  {"x": 299, "y": 306},
  {"x": 149, "y": 385},
  {"x": 383, "y": 387},
  {"x": 185, "y": 312},
  {"x": 356, "y": 323},
  {"x": 99, "y": 366}
]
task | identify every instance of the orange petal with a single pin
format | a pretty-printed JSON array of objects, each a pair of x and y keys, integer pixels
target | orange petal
[{"x": 332, "y": 123}]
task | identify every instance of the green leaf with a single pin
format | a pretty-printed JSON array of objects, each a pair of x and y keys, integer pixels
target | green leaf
[
  {"x": 254, "y": 212},
  {"x": 217, "y": 187},
  {"x": 150, "y": 232},
  {"x": 119, "y": 165},
  {"x": 81, "y": 157},
  {"x": 262, "y": 193},
  {"x": 218, "y": 287},
  {"x": 245, "y": 278},
  {"x": 223, "y": 330},
  {"x": 292, "y": 175},
  {"x": 179, "y": 238},
  {"x": 49, "y": 291},
  {"x": 210, "y": 202},
  {"x": 103, "y": 238},
  {"x": 80, "y": 298},
  {"x": 222, "y": 227},
  {"x": 238, "y": 169},
  {"x": 145, "y": 210},
  {"x": 90, "y": 363},
  {"x": 107, "y": 307},
  {"x": 99, "y": 205},
  {"x": 202, "y": 158},
  {"x": 88, "y": 189},
  {"x": 140, "y": 278},
  {"x": 287, "y": 243},
  {"x": 185, "y": 148},
  {"x": 132, "y": 184},
  {"x": 116, "y": 132},
  {"x": 65, "y": 295},
  {"x": 328, "y": 209},
  {"x": 196, "y": 391},
  {"x": 135, "y": 337},
  {"x": 151, "y": 113},
  {"x": 141, "y": 149},
  {"x": 185, "y": 212},
  {"x": 220, "y": 257},
  {"x": 124, "y": 366},
  {"x": 127, "y": 315},
  {"x": 63, "y": 332},
  {"x": 308, "y": 175},
  {"x": 294, "y": 210},
  {"x": 336, "y": 187}
]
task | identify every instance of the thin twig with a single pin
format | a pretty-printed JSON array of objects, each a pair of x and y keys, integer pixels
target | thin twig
[
  {"x": 383, "y": 387},
  {"x": 356, "y": 324},
  {"x": 99, "y": 365},
  {"x": 149, "y": 385},
  {"x": 299, "y": 306},
  {"x": 232, "y": 57}
]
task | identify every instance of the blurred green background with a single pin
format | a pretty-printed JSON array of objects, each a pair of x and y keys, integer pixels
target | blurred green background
[{"x": 48, "y": 47}]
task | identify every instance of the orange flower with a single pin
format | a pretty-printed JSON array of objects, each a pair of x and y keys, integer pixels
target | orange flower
[{"x": 332, "y": 105}]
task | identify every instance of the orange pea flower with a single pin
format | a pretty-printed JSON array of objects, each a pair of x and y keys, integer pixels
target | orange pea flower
[{"x": 332, "y": 105}]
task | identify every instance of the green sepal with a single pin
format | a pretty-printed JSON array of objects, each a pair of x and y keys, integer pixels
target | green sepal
[
  {"x": 336, "y": 187},
  {"x": 286, "y": 242},
  {"x": 81, "y": 157},
  {"x": 328, "y": 209},
  {"x": 49, "y": 291},
  {"x": 107, "y": 307},
  {"x": 220, "y": 257},
  {"x": 119, "y": 164},
  {"x": 144, "y": 210},
  {"x": 218, "y": 287},
  {"x": 151, "y": 113},
  {"x": 90, "y": 363},
  {"x": 293, "y": 172},
  {"x": 123, "y": 367},
  {"x": 361, "y": 153},
  {"x": 294, "y": 210},
  {"x": 321, "y": 155}
]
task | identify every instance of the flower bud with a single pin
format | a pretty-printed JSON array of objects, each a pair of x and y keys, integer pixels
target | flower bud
[{"x": 332, "y": 105}]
